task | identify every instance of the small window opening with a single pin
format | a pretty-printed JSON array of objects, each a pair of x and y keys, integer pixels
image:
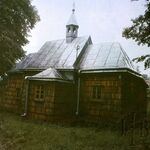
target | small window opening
[
  {"x": 69, "y": 29},
  {"x": 74, "y": 30}
]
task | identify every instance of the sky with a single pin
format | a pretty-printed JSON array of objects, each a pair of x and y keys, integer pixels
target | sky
[{"x": 103, "y": 20}]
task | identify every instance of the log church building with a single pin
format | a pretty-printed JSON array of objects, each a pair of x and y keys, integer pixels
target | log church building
[{"x": 72, "y": 77}]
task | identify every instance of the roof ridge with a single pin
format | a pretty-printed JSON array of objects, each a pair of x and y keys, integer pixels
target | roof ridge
[{"x": 86, "y": 36}]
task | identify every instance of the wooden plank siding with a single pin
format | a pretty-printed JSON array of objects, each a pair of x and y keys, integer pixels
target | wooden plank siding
[
  {"x": 121, "y": 94},
  {"x": 41, "y": 109},
  {"x": 12, "y": 93},
  {"x": 65, "y": 101},
  {"x": 56, "y": 104},
  {"x": 109, "y": 105},
  {"x": 103, "y": 96},
  {"x": 134, "y": 99}
]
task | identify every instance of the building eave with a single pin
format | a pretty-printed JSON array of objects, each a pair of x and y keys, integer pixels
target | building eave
[
  {"x": 114, "y": 70},
  {"x": 49, "y": 79},
  {"x": 110, "y": 70}
]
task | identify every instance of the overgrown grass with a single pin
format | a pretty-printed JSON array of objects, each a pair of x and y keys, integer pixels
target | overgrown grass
[{"x": 18, "y": 134}]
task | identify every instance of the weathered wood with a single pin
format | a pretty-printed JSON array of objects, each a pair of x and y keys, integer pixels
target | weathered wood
[
  {"x": 119, "y": 94},
  {"x": 57, "y": 101},
  {"x": 117, "y": 99}
]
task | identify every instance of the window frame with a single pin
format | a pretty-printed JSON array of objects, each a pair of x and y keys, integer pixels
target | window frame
[
  {"x": 96, "y": 93},
  {"x": 39, "y": 93}
]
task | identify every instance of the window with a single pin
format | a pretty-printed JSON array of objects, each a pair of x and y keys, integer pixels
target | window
[
  {"x": 74, "y": 30},
  {"x": 96, "y": 92},
  {"x": 69, "y": 29},
  {"x": 39, "y": 93}
]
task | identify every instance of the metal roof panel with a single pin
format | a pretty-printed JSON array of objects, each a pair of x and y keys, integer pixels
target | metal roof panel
[{"x": 105, "y": 55}]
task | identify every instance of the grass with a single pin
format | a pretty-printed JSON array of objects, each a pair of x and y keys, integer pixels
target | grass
[{"x": 18, "y": 134}]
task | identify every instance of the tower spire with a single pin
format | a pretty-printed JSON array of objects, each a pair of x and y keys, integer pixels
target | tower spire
[
  {"x": 72, "y": 27},
  {"x": 73, "y": 8}
]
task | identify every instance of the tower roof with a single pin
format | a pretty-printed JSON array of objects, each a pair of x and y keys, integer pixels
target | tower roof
[{"x": 72, "y": 20}]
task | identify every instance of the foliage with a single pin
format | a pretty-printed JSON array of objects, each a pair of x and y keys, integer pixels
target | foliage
[
  {"x": 17, "y": 18},
  {"x": 140, "y": 32}
]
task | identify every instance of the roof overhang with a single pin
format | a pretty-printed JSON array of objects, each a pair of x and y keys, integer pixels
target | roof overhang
[
  {"x": 47, "y": 79},
  {"x": 110, "y": 70},
  {"x": 114, "y": 70}
]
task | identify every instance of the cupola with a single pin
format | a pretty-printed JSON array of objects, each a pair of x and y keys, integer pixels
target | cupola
[{"x": 72, "y": 27}]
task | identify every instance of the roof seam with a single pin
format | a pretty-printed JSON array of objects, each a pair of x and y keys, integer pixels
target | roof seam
[
  {"x": 127, "y": 58},
  {"x": 118, "y": 58},
  {"x": 71, "y": 51},
  {"x": 55, "y": 52},
  {"x": 108, "y": 53},
  {"x": 97, "y": 55}
]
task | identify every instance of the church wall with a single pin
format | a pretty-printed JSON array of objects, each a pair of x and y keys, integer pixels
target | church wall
[
  {"x": 65, "y": 101},
  {"x": 121, "y": 95},
  {"x": 107, "y": 103},
  {"x": 12, "y": 92},
  {"x": 134, "y": 100},
  {"x": 41, "y": 106},
  {"x": 56, "y": 103},
  {"x": 103, "y": 96}
]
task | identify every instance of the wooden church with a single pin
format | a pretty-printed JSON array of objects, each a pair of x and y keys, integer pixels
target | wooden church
[{"x": 72, "y": 78}]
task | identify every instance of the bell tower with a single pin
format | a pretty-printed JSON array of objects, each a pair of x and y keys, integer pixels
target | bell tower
[{"x": 72, "y": 27}]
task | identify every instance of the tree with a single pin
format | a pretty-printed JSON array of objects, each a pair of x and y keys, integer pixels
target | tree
[
  {"x": 17, "y": 18},
  {"x": 140, "y": 32}
]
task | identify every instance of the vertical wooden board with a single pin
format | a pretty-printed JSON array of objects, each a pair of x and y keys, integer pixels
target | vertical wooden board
[
  {"x": 111, "y": 95},
  {"x": 134, "y": 96},
  {"x": 42, "y": 108},
  {"x": 12, "y": 92},
  {"x": 64, "y": 100}
]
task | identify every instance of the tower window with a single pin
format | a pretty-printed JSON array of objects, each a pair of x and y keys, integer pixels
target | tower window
[
  {"x": 69, "y": 29},
  {"x": 74, "y": 30}
]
